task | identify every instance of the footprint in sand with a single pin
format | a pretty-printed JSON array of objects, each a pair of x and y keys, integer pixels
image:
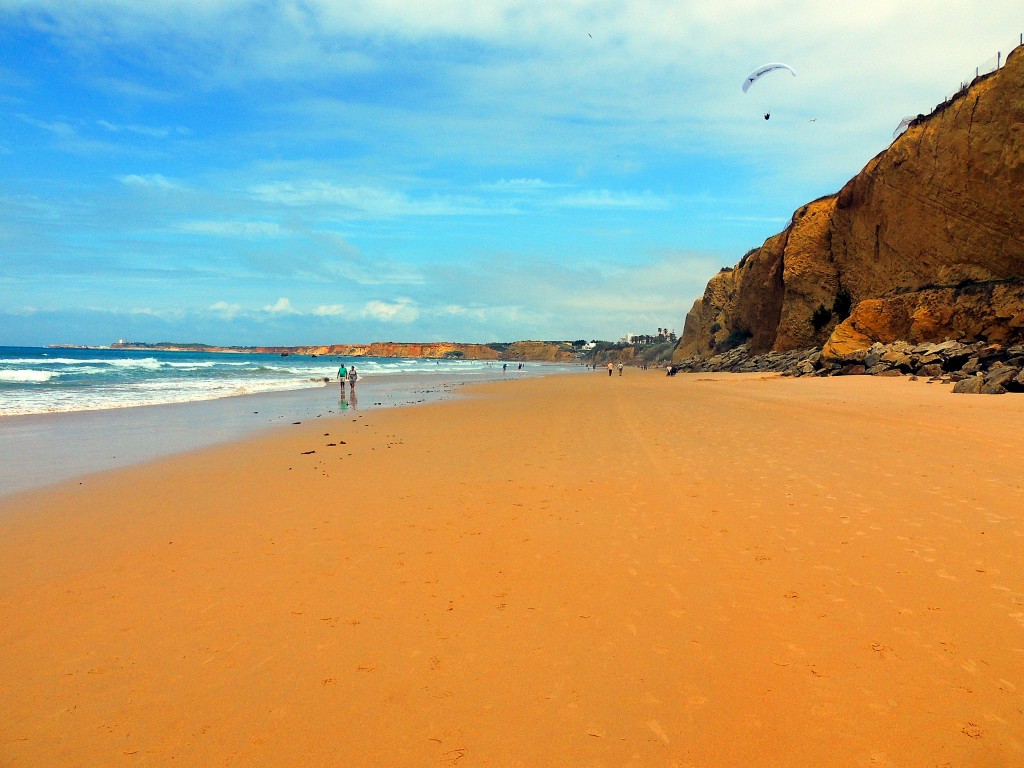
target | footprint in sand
[{"x": 657, "y": 730}]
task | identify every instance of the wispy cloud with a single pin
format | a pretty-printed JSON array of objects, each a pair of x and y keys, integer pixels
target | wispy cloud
[
  {"x": 523, "y": 186},
  {"x": 363, "y": 201},
  {"x": 150, "y": 181},
  {"x": 237, "y": 229},
  {"x": 141, "y": 130},
  {"x": 58, "y": 128},
  {"x": 608, "y": 199}
]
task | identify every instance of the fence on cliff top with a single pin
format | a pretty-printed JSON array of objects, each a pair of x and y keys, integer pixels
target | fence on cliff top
[
  {"x": 987, "y": 67},
  {"x": 990, "y": 65}
]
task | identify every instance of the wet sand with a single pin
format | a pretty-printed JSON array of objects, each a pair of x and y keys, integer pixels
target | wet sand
[
  {"x": 706, "y": 570},
  {"x": 41, "y": 449}
]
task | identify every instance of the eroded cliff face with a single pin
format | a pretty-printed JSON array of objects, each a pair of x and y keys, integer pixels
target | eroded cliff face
[
  {"x": 941, "y": 208},
  {"x": 430, "y": 350},
  {"x": 991, "y": 312}
]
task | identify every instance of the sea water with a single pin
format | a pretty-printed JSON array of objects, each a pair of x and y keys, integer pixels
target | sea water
[
  {"x": 65, "y": 413},
  {"x": 48, "y": 380}
]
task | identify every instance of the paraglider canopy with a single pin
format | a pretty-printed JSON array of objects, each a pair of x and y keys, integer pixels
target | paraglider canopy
[
  {"x": 764, "y": 70},
  {"x": 904, "y": 124}
]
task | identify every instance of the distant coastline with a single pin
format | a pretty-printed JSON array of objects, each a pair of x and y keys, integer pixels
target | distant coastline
[{"x": 536, "y": 351}]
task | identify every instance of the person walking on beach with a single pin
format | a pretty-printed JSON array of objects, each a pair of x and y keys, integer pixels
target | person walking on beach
[
  {"x": 610, "y": 369},
  {"x": 352, "y": 377},
  {"x": 620, "y": 369},
  {"x": 342, "y": 375}
]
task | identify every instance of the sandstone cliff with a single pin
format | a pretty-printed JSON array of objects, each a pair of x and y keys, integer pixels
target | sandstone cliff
[
  {"x": 430, "y": 350},
  {"x": 938, "y": 211}
]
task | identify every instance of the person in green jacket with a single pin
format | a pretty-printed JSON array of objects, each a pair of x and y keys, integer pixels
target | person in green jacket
[{"x": 342, "y": 375}]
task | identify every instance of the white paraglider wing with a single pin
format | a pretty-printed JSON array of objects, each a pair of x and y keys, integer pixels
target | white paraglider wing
[
  {"x": 902, "y": 127},
  {"x": 764, "y": 70}
]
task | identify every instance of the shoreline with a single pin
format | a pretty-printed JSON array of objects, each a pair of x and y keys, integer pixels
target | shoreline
[
  {"x": 42, "y": 449},
  {"x": 707, "y": 569}
]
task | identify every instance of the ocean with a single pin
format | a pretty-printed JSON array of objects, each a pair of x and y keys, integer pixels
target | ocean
[
  {"x": 49, "y": 380},
  {"x": 69, "y": 412}
]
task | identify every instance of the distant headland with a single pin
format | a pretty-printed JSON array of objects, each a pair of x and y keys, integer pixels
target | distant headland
[{"x": 536, "y": 351}]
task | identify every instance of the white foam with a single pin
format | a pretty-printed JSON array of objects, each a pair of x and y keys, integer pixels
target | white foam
[
  {"x": 27, "y": 376},
  {"x": 131, "y": 395}
]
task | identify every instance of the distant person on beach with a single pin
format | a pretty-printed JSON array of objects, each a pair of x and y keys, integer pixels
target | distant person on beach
[
  {"x": 352, "y": 377},
  {"x": 504, "y": 367},
  {"x": 342, "y": 375},
  {"x": 620, "y": 369},
  {"x": 610, "y": 369}
]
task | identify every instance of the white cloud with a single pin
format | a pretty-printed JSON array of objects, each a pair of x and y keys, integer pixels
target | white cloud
[
  {"x": 281, "y": 307},
  {"x": 329, "y": 310},
  {"x": 398, "y": 311},
  {"x": 225, "y": 310}
]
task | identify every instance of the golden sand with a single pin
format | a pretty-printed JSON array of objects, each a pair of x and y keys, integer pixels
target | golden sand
[{"x": 568, "y": 571}]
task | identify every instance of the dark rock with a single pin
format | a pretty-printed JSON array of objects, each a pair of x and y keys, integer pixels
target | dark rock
[
  {"x": 996, "y": 381},
  {"x": 975, "y": 367},
  {"x": 874, "y": 355},
  {"x": 971, "y": 367},
  {"x": 990, "y": 354},
  {"x": 928, "y": 359},
  {"x": 850, "y": 370},
  {"x": 969, "y": 386}
]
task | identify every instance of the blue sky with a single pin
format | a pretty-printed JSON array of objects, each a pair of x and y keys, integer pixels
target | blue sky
[{"x": 317, "y": 171}]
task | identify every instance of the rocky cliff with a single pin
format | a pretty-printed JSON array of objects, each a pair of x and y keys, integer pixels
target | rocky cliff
[{"x": 926, "y": 242}]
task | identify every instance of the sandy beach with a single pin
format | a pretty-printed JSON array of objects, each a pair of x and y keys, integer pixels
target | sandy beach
[{"x": 703, "y": 571}]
